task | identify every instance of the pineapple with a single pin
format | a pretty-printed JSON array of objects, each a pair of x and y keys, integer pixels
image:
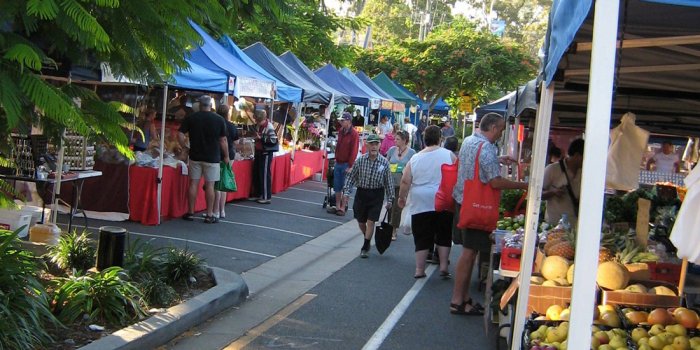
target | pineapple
[
  {"x": 564, "y": 247},
  {"x": 604, "y": 254}
]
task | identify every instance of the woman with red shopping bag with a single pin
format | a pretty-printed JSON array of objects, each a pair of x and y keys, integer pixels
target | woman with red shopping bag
[{"x": 477, "y": 193}]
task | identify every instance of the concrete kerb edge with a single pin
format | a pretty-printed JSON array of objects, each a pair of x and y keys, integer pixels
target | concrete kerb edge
[{"x": 230, "y": 290}]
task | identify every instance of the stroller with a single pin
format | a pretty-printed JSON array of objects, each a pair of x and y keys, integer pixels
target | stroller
[{"x": 329, "y": 199}]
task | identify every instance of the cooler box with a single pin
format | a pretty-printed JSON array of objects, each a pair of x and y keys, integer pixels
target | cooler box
[{"x": 14, "y": 219}]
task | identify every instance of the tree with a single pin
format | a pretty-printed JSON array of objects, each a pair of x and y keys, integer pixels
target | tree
[
  {"x": 391, "y": 20},
  {"x": 455, "y": 59},
  {"x": 307, "y": 30},
  {"x": 139, "y": 39},
  {"x": 526, "y": 20}
]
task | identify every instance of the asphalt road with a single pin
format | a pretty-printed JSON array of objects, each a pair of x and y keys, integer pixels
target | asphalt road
[{"x": 370, "y": 303}]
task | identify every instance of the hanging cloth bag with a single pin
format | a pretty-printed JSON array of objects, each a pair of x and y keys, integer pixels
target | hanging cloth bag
[
  {"x": 227, "y": 181},
  {"x": 480, "y": 202},
  {"x": 443, "y": 198}
]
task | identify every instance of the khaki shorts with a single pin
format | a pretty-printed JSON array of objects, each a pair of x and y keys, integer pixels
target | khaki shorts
[{"x": 211, "y": 171}]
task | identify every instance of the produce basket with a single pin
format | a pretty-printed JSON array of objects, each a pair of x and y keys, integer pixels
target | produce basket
[
  {"x": 542, "y": 297},
  {"x": 614, "y": 297}
]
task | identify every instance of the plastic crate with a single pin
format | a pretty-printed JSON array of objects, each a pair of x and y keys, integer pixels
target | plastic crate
[
  {"x": 510, "y": 258},
  {"x": 666, "y": 272},
  {"x": 14, "y": 219}
]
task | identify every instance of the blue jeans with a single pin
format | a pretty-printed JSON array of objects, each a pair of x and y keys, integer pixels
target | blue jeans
[{"x": 339, "y": 176}]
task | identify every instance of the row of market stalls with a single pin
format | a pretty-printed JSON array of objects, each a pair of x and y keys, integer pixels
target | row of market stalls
[
  {"x": 605, "y": 61},
  {"x": 258, "y": 75}
]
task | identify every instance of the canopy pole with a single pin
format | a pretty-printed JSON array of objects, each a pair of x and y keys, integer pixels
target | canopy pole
[
  {"x": 593, "y": 175},
  {"x": 327, "y": 115},
  {"x": 684, "y": 271},
  {"x": 159, "y": 180},
  {"x": 534, "y": 197}
]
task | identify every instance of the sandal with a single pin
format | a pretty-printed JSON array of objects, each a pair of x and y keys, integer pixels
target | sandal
[
  {"x": 423, "y": 275},
  {"x": 211, "y": 220},
  {"x": 445, "y": 275},
  {"x": 462, "y": 310},
  {"x": 476, "y": 306},
  {"x": 188, "y": 217},
  {"x": 340, "y": 212}
]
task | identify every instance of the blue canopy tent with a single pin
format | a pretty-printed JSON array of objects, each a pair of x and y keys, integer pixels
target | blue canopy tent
[
  {"x": 386, "y": 97},
  {"x": 334, "y": 78},
  {"x": 285, "y": 92},
  {"x": 200, "y": 78},
  {"x": 293, "y": 62},
  {"x": 376, "y": 99},
  {"x": 441, "y": 107},
  {"x": 499, "y": 106},
  {"x": 273, "y": 65},
  {"x": 214, "y": 57},
  {"x": 602, "y": 60}
]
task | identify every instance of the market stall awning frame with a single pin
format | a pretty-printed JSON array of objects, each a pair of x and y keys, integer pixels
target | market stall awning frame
[{"x": 293, "y": 62}]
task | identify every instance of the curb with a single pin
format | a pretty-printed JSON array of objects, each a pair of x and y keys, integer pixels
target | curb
[{"x": 230, "y": 290}]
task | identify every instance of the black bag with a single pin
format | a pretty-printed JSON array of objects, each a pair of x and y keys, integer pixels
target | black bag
[{"x": 382, "y": 234}]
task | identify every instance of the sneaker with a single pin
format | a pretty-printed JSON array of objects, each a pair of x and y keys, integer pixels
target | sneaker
[
  {"x": 331, "y": 210},
  {"x": 263, "y": 201},
  {"x": 364, "y": 254}
]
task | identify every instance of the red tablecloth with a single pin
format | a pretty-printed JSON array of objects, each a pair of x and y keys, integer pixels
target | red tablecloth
[
  {"x": 305, "y": 165},
  {"x": 143, "y": 192},
  {"x": 281, "y": 169}
]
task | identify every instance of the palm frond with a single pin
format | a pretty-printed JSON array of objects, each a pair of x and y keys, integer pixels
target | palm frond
[
  {"x": 10, "y": 100},
  {"x": 44, "y": 9},
  {"x": 24, "y": 55},
  {"x": 53, "y": 104},
  {"x": 96, "y": 36}
]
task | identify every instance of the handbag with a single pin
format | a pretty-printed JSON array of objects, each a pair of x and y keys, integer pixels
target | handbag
[
  {"x": 443, "y": 198},
  {"x": 382, "y": 234},
  {"x": 405, "y": 225},
  {"x": 227, "y": 181},
  {"x": 480, "y": 202}
]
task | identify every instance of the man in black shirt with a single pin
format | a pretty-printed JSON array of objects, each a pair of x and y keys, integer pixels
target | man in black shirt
[{"x": 207, "y": 133}]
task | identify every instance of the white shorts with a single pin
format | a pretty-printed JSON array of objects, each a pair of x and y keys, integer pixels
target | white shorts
[{"x": 211, "y": 171}]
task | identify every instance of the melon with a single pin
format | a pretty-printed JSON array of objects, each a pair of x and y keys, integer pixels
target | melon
[
  {"x": 612, "y": 275},
  {"x": 554, "y": 267},
  {"x": 570, "y": 274}
]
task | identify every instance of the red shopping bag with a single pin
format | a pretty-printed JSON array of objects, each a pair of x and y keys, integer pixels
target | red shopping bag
[
  {"x": 443, "y": 197},
  {"x": 480, "y": 202}
]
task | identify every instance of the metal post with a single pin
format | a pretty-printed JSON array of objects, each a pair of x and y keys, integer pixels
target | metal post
[
  {"x": 159, "y": 180},
  {"x": 593, "y": 174}
]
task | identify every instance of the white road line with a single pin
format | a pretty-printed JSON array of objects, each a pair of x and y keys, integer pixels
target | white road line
[
  {"x": 265, "y": 227},
  {"x": 305, "y": 190},
  {"x": 292, "y": 214},
  {"x": 301, "y": 201},
  {"x": 192, "y": 241},
  {"x": 383, "y": 331}
]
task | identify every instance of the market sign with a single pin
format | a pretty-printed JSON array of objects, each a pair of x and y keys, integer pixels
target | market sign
[
  {"x": 255, "y": 88},
  {"x": 399, "y": 107},
  {"x": 386, "y": 105},
  {"x": 466, "y": 104},
  {"x": 374, "y": 103}
]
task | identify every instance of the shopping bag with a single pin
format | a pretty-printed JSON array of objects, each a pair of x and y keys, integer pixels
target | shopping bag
[
  {"x": 443, "y": 198},
  {"x": 227, "y": 181},
  {"x": 480, "y": 202},
  {"x": 382, "y": 234},
  {"x": 405, "y": 225}
]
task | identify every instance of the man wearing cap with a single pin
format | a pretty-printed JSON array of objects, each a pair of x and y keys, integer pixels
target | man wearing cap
[
  {"x": 373, "y": 179},
  {"x": 207, "y": 144},
  {"x": 345, "y": 155}
]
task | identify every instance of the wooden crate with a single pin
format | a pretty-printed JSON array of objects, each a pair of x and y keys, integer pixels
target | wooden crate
[{"x": 638, "y": 299}]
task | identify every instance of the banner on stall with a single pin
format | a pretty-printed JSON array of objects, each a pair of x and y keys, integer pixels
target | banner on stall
[
  {"x": 386, "y": 105},
  {"x": 399, "y": 107},
  {"x": 374, "y": 103},
  {"x": 255, "y": 88}
]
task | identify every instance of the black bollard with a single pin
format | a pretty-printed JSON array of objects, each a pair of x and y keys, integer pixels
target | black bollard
[{"x": 110, "y": 247}]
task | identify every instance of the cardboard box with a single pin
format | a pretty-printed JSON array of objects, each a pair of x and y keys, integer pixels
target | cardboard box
[
  {"x": 542, "y": 297},
  {"x": 638, "y": 299}
]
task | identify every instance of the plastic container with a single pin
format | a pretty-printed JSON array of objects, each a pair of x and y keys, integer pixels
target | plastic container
[
  {"x": 45, "y": 233},
  {"x": 14, "y": 219}
]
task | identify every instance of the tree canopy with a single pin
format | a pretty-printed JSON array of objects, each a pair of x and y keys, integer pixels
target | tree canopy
[{"x": 456, "y": 58}]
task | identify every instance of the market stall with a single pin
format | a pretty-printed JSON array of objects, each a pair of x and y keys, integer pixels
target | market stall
[{"x": 653, "y": 76}]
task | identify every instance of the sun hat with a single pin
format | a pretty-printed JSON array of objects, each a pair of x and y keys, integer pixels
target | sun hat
[{"x": 373, "y": 139}]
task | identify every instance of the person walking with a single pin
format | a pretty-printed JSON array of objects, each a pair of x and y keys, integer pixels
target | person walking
[
  {"x": 345, "y": 155},
  {"x": 231, "y": 137},
  {"x": 373, "y": 179},
  {"x": 476, "y": 241},
  {"x": 421, "y": 179},
  {"x": 266, "y": 144},
  {"x": 208, "y": 145},
  {"x": 398, "y": 157}
]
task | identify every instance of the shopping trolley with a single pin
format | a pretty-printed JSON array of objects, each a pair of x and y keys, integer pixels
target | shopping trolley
[{"x": 329, "y": 199}]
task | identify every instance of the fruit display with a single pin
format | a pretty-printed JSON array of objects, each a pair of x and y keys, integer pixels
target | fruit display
[
  {"x": 511, "y": 223},
  {"x": 555, "y": 270},
  {"x": 560, "y": 243},
  {"x": 684, "y": 317},
  {"x": 612, "y": 275},
  {"x": 550, "y": 336}
]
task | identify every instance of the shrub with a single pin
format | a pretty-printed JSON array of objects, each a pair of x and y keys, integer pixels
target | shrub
[
  {"x": 105, "y": 296},
  {"x": 157, "y": 293},
  {"x": 142, "y": 260},
  {"x": 73, "y": 252},
  {"x": 180, "y": 265},
  {"x": 24, "y": 304}
]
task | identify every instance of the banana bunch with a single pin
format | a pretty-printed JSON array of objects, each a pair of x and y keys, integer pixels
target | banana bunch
[
  {"x": 643, "y": 257},
  {"x": 630, "y": 250}
]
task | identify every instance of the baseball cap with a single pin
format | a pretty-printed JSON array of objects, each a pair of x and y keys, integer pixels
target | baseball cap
[
  {"x": 373, "y": 139},
  {"x": 347, "y": 116},
  {"x": 205, "y": 100}
]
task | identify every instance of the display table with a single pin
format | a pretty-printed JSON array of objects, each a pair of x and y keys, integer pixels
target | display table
[
  {"x": 280, "y": 169},
  {"x": 143, "y": 192},
  {"x": 305, "y": 165}
]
